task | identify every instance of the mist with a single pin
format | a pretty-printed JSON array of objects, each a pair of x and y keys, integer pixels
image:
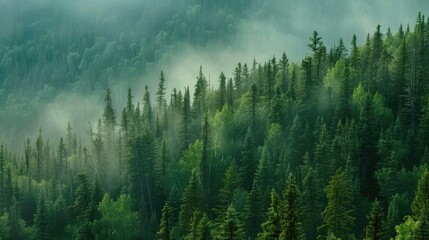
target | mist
[{"x": 273, "y": 27}]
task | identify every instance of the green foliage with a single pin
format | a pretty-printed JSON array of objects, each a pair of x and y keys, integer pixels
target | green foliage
[
  {"x": 164, "y": 232},
  {"x": 117, "y": 219},
  {"x": 5, "y": 229},
  {"x": 338, "y": 215},
  {"x": 231, "y": 227},
  {"x": 192, "y": 200},
  {"x": 375, "y": 227},
  {"x": 291, "y": 218},
  {"x": 352, "y": 124},
  {"x": 420, "y": 205},
  {"x": 271, "y": 228}
]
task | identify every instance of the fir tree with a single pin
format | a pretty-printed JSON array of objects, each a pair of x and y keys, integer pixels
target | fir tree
[
  {"x": 231, "y": 227},
  {"x": 192, "y": 200},
  {"x": 291, "y": 218},
  {"x": 375, "y": 227},
  {"x": 271, "y": 228},
  {"x": 420, "y": 205},
  {"x": 161, "y": 92},
  {"x": 338, "y": 215},
  {"x": 164, "y": 232}
]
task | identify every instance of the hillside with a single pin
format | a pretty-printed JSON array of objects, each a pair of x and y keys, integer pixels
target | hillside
[{"x": 332, "y": 147}]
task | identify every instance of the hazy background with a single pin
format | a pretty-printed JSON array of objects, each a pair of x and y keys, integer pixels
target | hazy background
[{"x": 268, "y": 28}]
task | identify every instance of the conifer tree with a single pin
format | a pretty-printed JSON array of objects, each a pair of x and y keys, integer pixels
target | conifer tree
[
  {"x": 231, "y": 227},
  {"x": 284, "y": 67},
  {"x": 192, "y": 200},
  {"x": 42, "y": 221},
  {"x": 420, "y": 205},
  {"x": 204, "y": 228},
  {"x": 338, "y": 215},
  {"x": 226, "y": 193},
  {"x": 82, "y": 195},
  {"x": 205, "y": 158},
  {"x": 375, "y": 227},
  {"x": 291, "y": 215},
  {"x": 185, "y": 122},
  {"x": 221, "y": 95},
  {"x": 311, "y": 203},
  {"x": 161, "y": 92},
  {"x": 199, "y": 102},
  {"x": 238, "y": 83},
  {"x": 164, "y": 232},
  {"x": 230, "y": 95},
  {"x": 247, "y": 164},
  {"x": 271, "y": 228}
]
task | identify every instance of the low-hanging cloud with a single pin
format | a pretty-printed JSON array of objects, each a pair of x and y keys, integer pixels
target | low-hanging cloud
[{"x": 276, "y": 26}]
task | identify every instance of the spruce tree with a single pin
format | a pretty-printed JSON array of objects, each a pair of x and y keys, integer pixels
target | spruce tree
[
  {"x": 291, "y": 214},
  {"x": 161, "y": 92},
  {"x": 204, "y": 228},
  {"x": 231, "y": 227},
  {"x": 221, "y": 95},
  {"x": 192, "y": 200},
  {"x": 247, "y": 163},
  {"x": 271, "y": 228},
  {"x": 164, "y": 232},
  {"x": 420, "y": 205},
  {"x": 375, "y": 226},
  {"x": 338, "y": 215},
  {"x": 42, "y": 221}
]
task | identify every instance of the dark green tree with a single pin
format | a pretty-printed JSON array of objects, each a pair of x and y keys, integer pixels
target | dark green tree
[
  {"x": 161, "y": 92},
  {"x": 271, "y": 228},
  {"x": 375, "y": 227},
  {"x": 164, "y": 232},
  {"x": 42, "y": 221},
  {"x": 420, "y": 205},
  {"x": 221, "y": 95},
  {"x": 192, "y": 200},
  {"x": 291, "y": 214},
  {"x": 338, "y": 215},
  {"x": 231, "y": 227}
]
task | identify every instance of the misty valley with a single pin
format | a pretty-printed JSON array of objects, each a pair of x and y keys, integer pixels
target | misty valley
[{"x": 191, "y": 120}]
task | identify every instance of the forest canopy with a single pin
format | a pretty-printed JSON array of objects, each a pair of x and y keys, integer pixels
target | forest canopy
[{"x": 334, "y": 146}]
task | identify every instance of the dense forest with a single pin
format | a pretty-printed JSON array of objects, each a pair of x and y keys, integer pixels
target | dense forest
[{"x": 332, "y": 147}]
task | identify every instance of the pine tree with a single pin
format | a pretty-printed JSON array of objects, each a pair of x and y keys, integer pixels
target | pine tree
[
  {"x": 338, "y": 215},
  {"x": 192, "y": 200},
  {"x": 161, "y": 92},
  {"x": 226, "y": 193},
  {"x": 291, "y": 216},
  {"x": 311, "y": 203},
  {"x": 42, "y": 223},
  {"x": 205, "y": 159},
  {"x": 221, "y": 95},
  {"x": 185, "y": 122},
  {"x": 231, "y": 227},
  {"x": 204, "y": 228},
  {"x": 271, "y": 228},
  {"x": 420, "y": 205},
  {"x": 247, "y": 163},
  {"x": 199, "y": 102},
  {"x": 284, "y": 67},
  {"x": 322, "y": 155},
  {"x": 238, "y": 83},
  {"x": 82, "y": 196},
  {"x": 109, "y": 117},
  {"x": 147, "y": 107},
  {"x": 164, "y": 232},
  {"x": 375, "y": 227},
  {"x": 193, "y": 226},
  {"x": 230, "y": 95}
]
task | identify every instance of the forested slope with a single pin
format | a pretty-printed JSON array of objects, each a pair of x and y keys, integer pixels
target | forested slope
[{"x": 332, "y": 147}]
